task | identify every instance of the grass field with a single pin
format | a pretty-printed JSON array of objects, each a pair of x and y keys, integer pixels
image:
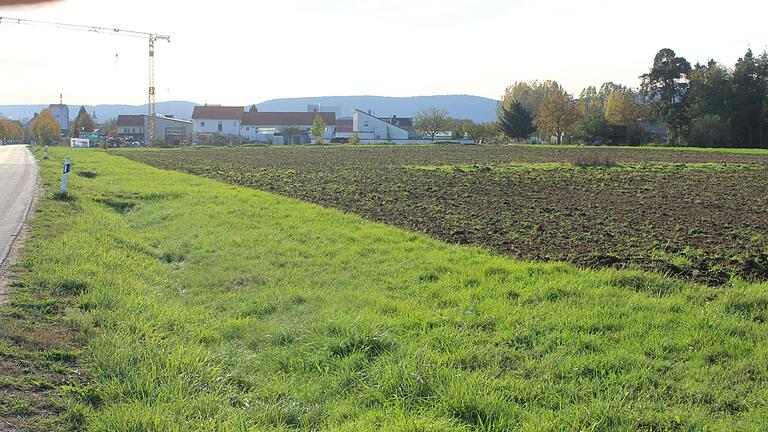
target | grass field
[
  {"x": 696, "y": 214},
  {"x": 180, "y": 303}
]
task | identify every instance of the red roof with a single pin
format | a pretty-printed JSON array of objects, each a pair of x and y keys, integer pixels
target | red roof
[
  {"x": 286, "y": 118},
  {"x": 217, "y": 112},
  {"x": 343, "y": 126},
  {"x": 130, "y": 120}
]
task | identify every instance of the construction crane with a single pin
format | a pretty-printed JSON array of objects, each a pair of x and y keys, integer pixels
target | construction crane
[{"x": 152, "y": 37}]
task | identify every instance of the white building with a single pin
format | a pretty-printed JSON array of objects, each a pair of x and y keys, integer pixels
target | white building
[
  {"x": 371, "y": 128},
  {"x": 285, "y": 127},
  {"x": 217, "y": 120}
]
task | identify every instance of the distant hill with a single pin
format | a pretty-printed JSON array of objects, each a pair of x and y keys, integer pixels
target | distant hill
[{"x": 476, "y": 108}]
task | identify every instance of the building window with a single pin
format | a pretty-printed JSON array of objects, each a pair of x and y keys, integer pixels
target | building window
[
  {"x": 248, "y": 128},
  {"x": 365, "y": 123},
  {"x": 202, "y": 124},
  {"x": 221, "y": 127},
  {"x": 234, "y": 123}
]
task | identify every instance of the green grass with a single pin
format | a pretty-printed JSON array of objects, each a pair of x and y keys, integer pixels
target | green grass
[
  {"x": 757, "y": 151},
  {"x": 203, "y": 306}
]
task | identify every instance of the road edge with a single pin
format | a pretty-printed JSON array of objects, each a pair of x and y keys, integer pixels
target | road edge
[{"x": 13, "y": 253}]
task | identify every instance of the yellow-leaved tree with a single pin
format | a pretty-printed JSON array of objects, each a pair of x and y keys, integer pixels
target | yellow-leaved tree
[
  {"x": 45, "y": 128},
  {"x": 621, "y": 108},
  {"x": 10, "y": 131},
  {"x": 557, "y": 115}
]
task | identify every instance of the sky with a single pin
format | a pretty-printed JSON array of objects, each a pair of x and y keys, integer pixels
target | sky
[{"x": 242, "y": 52}]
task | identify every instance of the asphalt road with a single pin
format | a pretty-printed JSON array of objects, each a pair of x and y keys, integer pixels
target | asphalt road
[{"x": 18, "y": 177}]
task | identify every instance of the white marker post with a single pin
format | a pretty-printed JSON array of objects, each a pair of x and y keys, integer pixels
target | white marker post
[
  {"x": 45, "y": 155},
  {"x": 67, "y": 169}
]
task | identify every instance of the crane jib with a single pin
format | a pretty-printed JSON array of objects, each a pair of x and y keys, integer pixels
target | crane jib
[{"x": 113, "y": 31}]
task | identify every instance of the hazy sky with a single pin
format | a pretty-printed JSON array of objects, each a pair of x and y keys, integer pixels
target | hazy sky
[{"x": 242, "y": 52}]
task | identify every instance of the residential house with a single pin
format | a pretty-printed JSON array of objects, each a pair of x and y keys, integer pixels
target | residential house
[
  {"x": 371, "y": 128},
  {"x": 131, "y": 128},
  {"x": 217, "y": 120},
  {"x": 405, "y": 123},
  {"x": 284, "y": 127}
]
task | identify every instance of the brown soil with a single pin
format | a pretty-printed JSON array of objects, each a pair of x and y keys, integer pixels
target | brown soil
[{"x": 656, "y": 209}]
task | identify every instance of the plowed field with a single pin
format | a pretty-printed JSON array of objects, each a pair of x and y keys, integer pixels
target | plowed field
[{"x": 700, "y": 215}]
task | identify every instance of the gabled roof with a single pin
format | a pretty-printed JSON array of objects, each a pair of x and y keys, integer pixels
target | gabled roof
[
  {"x": 173, "y": 119},
  {"x": 401, "y": 122},
  {"x": 372, "y": 117},
  {"x": 286, "y": 118},
  {"x": 130, "y": 120},
  {"x": 217, "y": 112}
]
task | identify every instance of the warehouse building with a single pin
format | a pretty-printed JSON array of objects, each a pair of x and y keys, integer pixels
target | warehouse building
[{"x": 169, "y": 130}]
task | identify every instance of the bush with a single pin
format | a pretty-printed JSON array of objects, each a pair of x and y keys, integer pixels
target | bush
[
  {"x": 593, "y": 160},
  {"x": 710, "y": 131},
  {"x": 354, "y": 139}
]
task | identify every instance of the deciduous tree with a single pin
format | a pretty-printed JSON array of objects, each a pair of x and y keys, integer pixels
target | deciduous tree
[
  {"x": 83, "y": 122},
  {"x": 530, "y": 94},
  {"x": 557, "y": 115},
  {"x": 459, "y": 129},
  {"x": 709, "y": 131},
  {"x": 318, "y": 129},
  {"x": 621, "y": 108},
  {"x": 45, "y": 128},
  {"x": 591, "y": 126},
  {"x": 10, "y": 131},
  {"x": 432, "y": 121}
]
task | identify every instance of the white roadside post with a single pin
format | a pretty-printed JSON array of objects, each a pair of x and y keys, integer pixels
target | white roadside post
[
  {"x": 67, "y": 169},
  {"x": 45, "y": 155}
]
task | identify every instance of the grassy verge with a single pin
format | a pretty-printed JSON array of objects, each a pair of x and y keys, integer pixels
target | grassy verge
[{"x": 201, "y": 306}]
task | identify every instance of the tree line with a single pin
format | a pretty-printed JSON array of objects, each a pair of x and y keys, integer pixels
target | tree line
[
  {"x": 710, "y": 105},
  {"x": 10, "y": 130}
]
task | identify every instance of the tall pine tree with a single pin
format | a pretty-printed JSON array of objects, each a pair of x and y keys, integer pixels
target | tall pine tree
[
  {"x": 516, "y": 122},
  {"x": 83, "y": 122}
]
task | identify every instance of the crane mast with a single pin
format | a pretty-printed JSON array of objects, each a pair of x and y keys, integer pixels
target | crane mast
[
  {"x": 152, "y": 37},
  {"x": 152, "y": 113}
]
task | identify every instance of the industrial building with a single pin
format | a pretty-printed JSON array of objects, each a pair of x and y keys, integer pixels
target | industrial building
[
  {"x": 135, "y": 128},
  {"x": 61, "y": 114}
]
